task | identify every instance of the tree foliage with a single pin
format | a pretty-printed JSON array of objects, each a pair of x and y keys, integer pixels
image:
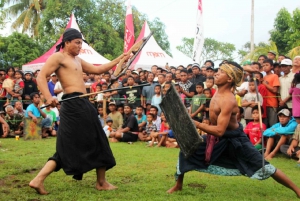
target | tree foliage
[
  {"x": 27, "y": 14},
  {"x": 212, "y": 49},
  {"x": 286, "y": 32},
  {"x": 261, "y": 49},
  {"x": 17, "y": 49}
]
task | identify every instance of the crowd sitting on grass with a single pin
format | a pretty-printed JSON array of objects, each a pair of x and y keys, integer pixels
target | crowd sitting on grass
[{"x": 134, "y": 114}]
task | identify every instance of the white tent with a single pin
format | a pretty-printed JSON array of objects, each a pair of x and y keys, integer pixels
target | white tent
[
  {"x": 151, "y": 54},
  {"x": 87, "y": 53}
]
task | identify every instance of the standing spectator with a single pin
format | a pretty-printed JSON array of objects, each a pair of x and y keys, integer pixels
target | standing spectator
[
  {"x": 186, "y": 87},
  {"x": 280, "y": 58},
  {"x": 272, "y": 55},
  {"x": 142, "y": 77},
  {"x": 9, "y": 84},
  {"x": 177, "y": 75},
  {"x": 295, "y": 93},
  {"x": 2, "y": 90},
  {"x": 262, "y": 89},
  {"x": 296, "y": 64},
  {"x": 285, "y": 84},
  {"x": 209, "y": 63},
  {"x": 272, "y": 84},
  {"x": 198, "y": 77},
  {"x": 250, "y": 101},
  {"x": 30, "y": 87},
  {"x": 58, "y": 90},
  {"x": 51, "y": 83},
  {"x": 261, "y": 60},
  {"x": 197, "y": 104},
  {"x": 169, "y": 77},
  {"x": 18, "y": 86},
  {"x": 156, "y": 99},
  {"x": 154, "y": 71},
  {"x": 208, "y": 95},
  {"x": 210, "y": 72},
  {"x": 277, "y": 69},
  {"x": 210, "y": 82},
  {"x": 133, "y": 96},
  {"x": 107, "y": 78},
  {"x": 148, "y": 91},
  {"x": 161, "y": 79}
]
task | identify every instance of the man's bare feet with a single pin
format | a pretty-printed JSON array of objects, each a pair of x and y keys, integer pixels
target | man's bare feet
[
  {"x": 38, "y": 186},
  {"x": 174, "y": 189},
  {"x": 150, "y": 145},
  {"x": 105, "y": 186}
]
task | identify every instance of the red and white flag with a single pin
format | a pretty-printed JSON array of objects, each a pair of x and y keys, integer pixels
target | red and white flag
[
  {"x": 129, "y": 29},
  {"x": 199, "y": 38}
]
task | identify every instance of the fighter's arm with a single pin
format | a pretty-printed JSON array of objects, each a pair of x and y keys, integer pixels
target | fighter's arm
[
  {"x": 222, "y": 122},
  {"x": 90, "y": 68},
  {"x": 51, "y": 65}
]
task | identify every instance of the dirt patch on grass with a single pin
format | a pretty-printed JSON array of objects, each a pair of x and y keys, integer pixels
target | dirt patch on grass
[
  {"x": 126, "y": 180},
  {"x": 1, "y": 162},
  {"x": 195, "y": 185},
  {"x": 31, "y": 171}
]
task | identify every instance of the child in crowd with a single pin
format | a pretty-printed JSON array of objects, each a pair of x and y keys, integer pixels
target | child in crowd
[
  {"x": 120, "y": 108},
  {"x": 240, "y": 117},
  {"x": 156, "y": 98},
  {"x": 263, "y": 92},
  {"x": 207, "y": 93},
  {"x": 150, "y": 128},
  {"x": 19, "y": 85},
  {"x": 52, "y": 116},
  {"x": 161, "y": 135},
  {"x": 107, "y": 128},
  {"x": 166, "y": 87},
  {"x": 182, "y": 96},
  {"x": 148, "y": 107},
  {"x": 197, "y": 103},
  {"x": 295, "y": 93},
  {"x": 237, "y": 97},
  {"x": 140, "y": 117},
  {"x": 209, "y": 85},
  {"x": 253, "y": 129},
  {"x": 250, "y": 100}
]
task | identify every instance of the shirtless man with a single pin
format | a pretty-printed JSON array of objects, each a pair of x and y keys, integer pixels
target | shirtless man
[
  {"x": 225, "y": 127},
  {"x": 78, "y": 150}
]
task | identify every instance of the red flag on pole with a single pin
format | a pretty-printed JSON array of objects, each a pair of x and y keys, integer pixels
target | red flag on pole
[{"x": 129, "y": 29}]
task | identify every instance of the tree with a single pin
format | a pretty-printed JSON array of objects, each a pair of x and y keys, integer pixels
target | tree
[
  {"x": 286, "y": 32},
  {"x": 27, "y": 14},
  {"x": 261, "y": 49},
  {"x": 101, "y": 22},
  {"x": 212, "y": 49},
  {"x": 17, "y": 49}
]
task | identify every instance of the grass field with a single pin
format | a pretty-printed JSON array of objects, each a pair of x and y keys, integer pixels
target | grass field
[{"x": 141, "y": 173}]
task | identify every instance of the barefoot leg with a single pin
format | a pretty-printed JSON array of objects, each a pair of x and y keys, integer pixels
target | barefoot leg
[
  {"x": 281, "y": 178},
  {"x": 102, "y": 184},
  {"x": 38, "y": 182},
  {"x": 178, "y": 185},
  {"x": 269, "y": 146}
]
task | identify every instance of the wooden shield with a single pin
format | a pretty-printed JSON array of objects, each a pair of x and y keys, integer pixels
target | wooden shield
[
  {"x": 180, "y": 122},
  {"x": 32, "y": 130}
]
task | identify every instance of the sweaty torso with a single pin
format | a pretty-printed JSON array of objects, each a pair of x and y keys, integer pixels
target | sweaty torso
[
  {"x": 220, "y": 102},
  {"x": 70, "y": 74}
]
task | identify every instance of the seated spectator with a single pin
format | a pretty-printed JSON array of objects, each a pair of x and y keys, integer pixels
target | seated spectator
[
  {"x": 33, "y": 111},
  {"x": 108, "y": 127},
  {"x": 140, "y": 117},
  {"x": 160, "y": 136},
  {"x": 120, "y": 108},
  {"x": 4, "y": 128},
  {"x": 150, "y": 127},
  {"x": 253, "y": 129},
  {"x": 156, "y": 118},
  {"x": 129, "y": 130},
  {"x": 52, "y": 116},
  {"x": 19, "y": 109},
  {"x": 284, "y": 128},
  {"x": 14, "y": 121},
  {"x": 293, "y": 150},
  {"x": 116, "y": 116},
  {"x": 250, "y": 101},
  {"x": 156, "y": 98}
]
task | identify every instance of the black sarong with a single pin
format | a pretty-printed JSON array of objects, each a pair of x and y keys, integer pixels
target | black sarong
[
  {"x": 233, "y": 151},
  {"x": 81, "y": 142}
]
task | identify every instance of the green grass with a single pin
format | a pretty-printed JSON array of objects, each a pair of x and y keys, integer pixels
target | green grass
[{"x": 141, "y": 173}]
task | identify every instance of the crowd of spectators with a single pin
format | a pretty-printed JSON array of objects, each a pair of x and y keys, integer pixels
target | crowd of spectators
[{"x": 134, "y": 113}]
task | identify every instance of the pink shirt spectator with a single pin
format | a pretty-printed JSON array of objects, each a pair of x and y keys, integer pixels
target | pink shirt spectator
[{"x": 295, "y": 93}]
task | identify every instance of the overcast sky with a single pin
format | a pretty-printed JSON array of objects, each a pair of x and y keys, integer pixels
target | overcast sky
[{"x": 225, "y": 21}]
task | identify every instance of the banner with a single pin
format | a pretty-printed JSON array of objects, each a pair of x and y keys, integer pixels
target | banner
[
  {"x": 129, "y": 29},
  {"x": 199, "y": 38}
]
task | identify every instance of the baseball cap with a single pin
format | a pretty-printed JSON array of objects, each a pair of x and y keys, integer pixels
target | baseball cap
[
  {"x": 196, "y": 65},
  {"x": 28, "y": 72},
  {"x": 112, "y": 103},
  {"x": 53, "y": 74},
  {"x": 285, "y": 112},
  {"x": 286, "y": 62},
  {"x": 108, "y": 119},
  {"x": 272, "y": 52}
]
